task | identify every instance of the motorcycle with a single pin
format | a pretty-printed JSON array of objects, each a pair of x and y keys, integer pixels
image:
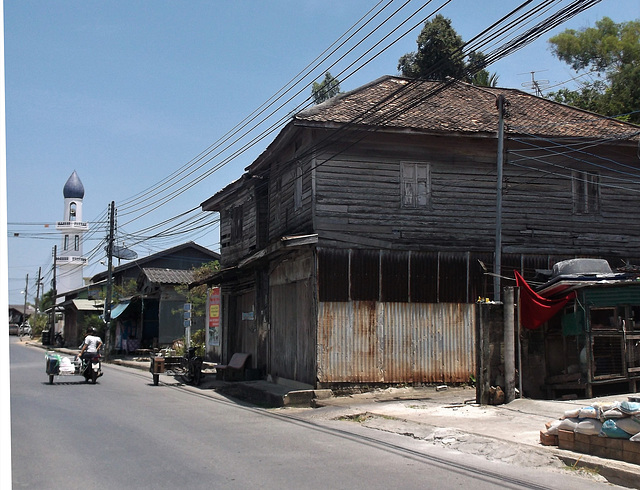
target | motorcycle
[
  {"x": 192, "y": 367},
  {"x": 88, "y": 367},
  {"x": 91, "y": 368}
]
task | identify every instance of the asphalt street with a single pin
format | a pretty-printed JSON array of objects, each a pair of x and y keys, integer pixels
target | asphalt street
[{"x": 126, "y": 433}]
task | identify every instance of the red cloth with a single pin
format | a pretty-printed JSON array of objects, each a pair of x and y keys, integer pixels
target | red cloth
[{"x": 536, "y": 309}]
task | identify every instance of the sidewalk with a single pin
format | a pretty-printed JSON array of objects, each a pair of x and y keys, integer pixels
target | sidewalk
[{"x": 448, "y": 417}]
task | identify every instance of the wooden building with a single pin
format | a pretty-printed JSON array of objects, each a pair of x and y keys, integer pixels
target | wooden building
[
  {"x": 354, "y": 249},
  {"x": 148, "y": 317},
  {"x": 592, "y": 346}
]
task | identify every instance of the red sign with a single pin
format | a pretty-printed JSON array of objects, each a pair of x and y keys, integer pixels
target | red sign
[{"x": 213, "y": 314}]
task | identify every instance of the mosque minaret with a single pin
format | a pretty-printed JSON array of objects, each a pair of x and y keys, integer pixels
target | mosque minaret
[{"x": 69, "y": 259}]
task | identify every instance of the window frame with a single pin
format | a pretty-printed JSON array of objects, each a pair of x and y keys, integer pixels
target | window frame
[
  {"x": 415, "y": 185},
  {"x": 585, "y": 192}
]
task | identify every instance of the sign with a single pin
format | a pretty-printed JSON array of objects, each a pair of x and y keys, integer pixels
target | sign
[{"x": 213, "y": 315}]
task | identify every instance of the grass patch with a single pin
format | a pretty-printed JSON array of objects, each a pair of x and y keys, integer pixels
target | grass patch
[{"x": 588, "y": 470}]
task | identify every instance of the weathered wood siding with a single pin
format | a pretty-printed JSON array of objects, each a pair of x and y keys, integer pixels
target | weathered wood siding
[
  {"x": 241, "y": 208},
  {"x": 293, "y": 323},
  {"x": 290, "y": 192},
  {"x": 358, "y": 198}
]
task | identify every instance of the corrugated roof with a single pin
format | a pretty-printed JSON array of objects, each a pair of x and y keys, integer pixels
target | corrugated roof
[
  {"x": 88, "y": 304},
  {"x": 395, "y": 102},
  {"x": 168, "y": 276}
]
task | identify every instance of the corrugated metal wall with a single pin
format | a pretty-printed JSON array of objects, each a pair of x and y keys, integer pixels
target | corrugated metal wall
[{"x": 374, "y": 342}]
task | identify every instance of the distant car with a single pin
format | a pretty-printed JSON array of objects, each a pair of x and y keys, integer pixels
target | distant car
[
  {"x": 14, "y": 329},
  {"x": 25, "y": 329}
]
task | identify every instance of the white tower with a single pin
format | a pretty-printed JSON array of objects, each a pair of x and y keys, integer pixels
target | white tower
[{"x": 69, "y": 258}]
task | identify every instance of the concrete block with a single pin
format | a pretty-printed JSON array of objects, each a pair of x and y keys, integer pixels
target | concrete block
[
  {"x": 323, "y": 394},
  {"x": 547, "y": 439},
  {"x": 598, "y": 441},
  {"x": 581, "y": 438},
  {"x": 600, "y": 451},
  {"x": 581, "y": 446},
  {"x": 613, "y": 444},
  {"x": 565, "y": 439},
  {"x": 300, "y": 398},
  {"x": 631, "y": 447},
  {"x": 631, "y": 457}
]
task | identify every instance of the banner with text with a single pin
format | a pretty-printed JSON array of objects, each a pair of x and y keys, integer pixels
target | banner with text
[{"x": 213, "y": 315}]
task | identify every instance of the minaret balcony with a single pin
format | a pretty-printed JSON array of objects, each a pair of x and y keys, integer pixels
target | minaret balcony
[
  {"x": 72, "y": 225},
  {"x": 63, "y": 259}
]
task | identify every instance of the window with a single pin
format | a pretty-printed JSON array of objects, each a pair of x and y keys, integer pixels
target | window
[
  {"x": 72, "y": 211},
  {"x": 66, "y": 242},
  {"x": 585, "y": 188},
  {"x": 76, "y": 243},
  {"x": 416, "y": 185},
  {"x": 236, "y": 224},
  {"x": 297, "y": 196}
]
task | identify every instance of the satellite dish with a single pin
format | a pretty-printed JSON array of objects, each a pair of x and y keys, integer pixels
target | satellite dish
[{"x": 122, "y": 253}]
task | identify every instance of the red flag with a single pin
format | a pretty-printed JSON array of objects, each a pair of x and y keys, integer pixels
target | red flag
[{"x": 535, "y": 309}]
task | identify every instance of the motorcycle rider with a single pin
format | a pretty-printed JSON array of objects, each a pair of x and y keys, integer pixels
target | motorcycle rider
[{"x": 91, "y": 345}]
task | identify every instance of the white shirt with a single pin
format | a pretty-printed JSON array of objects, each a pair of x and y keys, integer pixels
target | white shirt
[{"x": 92, "y": 341}]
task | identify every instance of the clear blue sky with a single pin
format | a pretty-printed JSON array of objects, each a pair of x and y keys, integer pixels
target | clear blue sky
[{"x": 126, "y": 93}]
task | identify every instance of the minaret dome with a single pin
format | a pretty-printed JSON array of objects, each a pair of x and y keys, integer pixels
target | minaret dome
[{"x": 73, "y": 189}]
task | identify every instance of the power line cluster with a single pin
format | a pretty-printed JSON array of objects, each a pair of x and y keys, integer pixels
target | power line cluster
[{"x": 380, "y": 28}]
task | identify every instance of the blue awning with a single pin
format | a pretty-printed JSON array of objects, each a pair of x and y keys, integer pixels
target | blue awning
[{"x": 119, "y": 309}]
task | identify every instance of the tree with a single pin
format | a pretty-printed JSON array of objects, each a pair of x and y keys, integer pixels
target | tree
[
  {"x": 327, "y": 88},
  {"x": 126, "y": 290},
  {"x": 47, "y": 300},
  {"x": 610, "y": 52},
  {"x": 440, "y": 55},
  {"x": 197, "y": 296}
]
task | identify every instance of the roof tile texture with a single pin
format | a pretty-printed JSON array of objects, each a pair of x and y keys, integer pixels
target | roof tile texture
[{"x": 429, "y": 106}]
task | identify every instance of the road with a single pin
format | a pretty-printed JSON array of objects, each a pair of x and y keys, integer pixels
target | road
[{"x": 124, "y": 432}]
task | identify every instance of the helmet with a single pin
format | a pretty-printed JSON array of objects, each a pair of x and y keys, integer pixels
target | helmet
[{"x": 91, "y": 330}]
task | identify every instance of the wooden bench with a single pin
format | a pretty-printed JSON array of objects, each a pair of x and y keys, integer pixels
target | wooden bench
[{"x": 235, "y": 368}]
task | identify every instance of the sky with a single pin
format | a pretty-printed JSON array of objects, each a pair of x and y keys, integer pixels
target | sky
[{"x": 153, "y": 102}]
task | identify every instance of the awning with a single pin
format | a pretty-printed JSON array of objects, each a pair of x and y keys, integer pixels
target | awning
[
  {"x": 87, "y": 304},
  {"x": 118, "y": 310}
]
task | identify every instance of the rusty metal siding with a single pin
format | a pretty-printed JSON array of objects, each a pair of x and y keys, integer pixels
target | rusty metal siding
[{"x": 373, "y": 342}]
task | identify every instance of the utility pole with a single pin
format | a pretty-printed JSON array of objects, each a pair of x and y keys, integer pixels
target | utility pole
[
  {"x": 497, "y": 268},
  {"x": 24, "y": 311},
  {"x": 38, "y": 289},
  {"x": 107, "y": 301},
  {"x": 54, "y": 286}
]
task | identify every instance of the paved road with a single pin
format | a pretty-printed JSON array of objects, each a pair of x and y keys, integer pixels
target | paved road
[{"x": 126, "y": 433}]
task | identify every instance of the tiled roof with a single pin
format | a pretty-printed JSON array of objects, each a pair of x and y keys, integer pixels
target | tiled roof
[
  {"x": 168, "y": 276},
  {"x": 401, "y": 103}
]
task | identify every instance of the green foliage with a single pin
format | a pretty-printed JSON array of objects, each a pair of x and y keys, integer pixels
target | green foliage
[
  {"x": 329, "y": 87},
  {"x": 611, "y": 53},
  {"x": 197, "y": 296},
  {"x": 38, "y": 323},
  {"x": 440, "y": 55},
  {"x": 127, "y": 290},
  {"x": 198, "y": 340},
  {"x": 96, "y": 322},
  {"x": 47, "y": 300}
]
